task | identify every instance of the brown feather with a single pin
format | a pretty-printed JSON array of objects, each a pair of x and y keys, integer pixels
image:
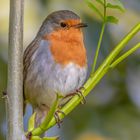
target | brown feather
[{"x": 28, "y": 53}]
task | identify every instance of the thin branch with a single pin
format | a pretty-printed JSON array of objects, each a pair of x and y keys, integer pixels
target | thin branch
[
  {"x": 121, "y": 58},
  {"x": 98, "y": 48},
  {"x": 14, "y": 92},
  {"x": 100, "y": 39}
]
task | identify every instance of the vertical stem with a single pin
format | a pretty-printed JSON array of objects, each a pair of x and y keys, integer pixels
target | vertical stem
[
  {"x": 100, "y": 40},
  {"x": 15, "y": 79},
  {"x": 104, "y": 10},
  {"x": 98, "y": 48}
]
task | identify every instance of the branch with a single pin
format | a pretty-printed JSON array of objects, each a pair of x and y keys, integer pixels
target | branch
[
  {"x": 14, "y": 99},
  {"x": 121, "y": 58},
  {"x": 100, "y": 38}
]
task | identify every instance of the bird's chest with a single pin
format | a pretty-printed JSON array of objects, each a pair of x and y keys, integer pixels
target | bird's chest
[{"x": 45, "y": 75}]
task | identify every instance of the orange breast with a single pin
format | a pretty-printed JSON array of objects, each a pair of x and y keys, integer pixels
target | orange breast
[{"x": 67, "y": 46}]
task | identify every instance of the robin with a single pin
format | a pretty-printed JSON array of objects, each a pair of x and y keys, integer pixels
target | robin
[{"x": 55, "y": 61}]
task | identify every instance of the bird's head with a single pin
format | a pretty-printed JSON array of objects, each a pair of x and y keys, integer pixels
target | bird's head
[{"x": 63, "y": 20}]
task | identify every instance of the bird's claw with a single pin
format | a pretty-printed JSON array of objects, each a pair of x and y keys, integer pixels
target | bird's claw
[
  {"x": 79, "y": 93},
  {"x": 57, "y": 118}
]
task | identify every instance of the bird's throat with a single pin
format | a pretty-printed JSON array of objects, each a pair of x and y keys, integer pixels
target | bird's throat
[{"x": 67, "y": 46}]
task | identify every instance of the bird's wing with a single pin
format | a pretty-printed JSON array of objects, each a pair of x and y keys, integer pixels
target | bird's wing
[{"x": 29, "y": 51}]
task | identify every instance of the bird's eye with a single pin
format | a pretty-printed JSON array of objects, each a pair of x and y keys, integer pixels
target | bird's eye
[{"x": 63, "y": 24}]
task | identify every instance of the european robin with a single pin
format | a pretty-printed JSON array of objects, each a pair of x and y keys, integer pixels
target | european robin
[{"x": 55, "y": 61}]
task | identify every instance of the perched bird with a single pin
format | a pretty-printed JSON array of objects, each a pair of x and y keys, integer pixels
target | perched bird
[{"x": 55, "y": 61}]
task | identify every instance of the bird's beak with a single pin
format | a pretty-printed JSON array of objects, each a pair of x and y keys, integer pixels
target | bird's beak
[{"x": 80, "y": 25}]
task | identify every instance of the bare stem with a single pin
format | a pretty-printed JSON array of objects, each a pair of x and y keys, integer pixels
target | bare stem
[
  {"x": 14, "y": 92},
  {"x": 98, "y": 48},
  {"x": 100, "y": 40}
]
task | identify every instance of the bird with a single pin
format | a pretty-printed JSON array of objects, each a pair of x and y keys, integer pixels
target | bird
[{"x": 55, "y": 61}]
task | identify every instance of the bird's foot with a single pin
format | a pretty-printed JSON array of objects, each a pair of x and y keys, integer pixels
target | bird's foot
[
  {"x": 79, "y": 93},
  {"x": 57, "y": 118}
]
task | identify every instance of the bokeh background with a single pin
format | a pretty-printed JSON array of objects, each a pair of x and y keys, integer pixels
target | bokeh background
[{"x": 112, "y": 111}]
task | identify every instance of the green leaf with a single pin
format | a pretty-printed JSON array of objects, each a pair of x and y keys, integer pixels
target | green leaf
[
  {"x": 118, "y": 6},
  {"x": 93, "y": 7},
  {"x": 112, "y": 19},
  {"x": 31, "y": 123},
  {"x": 101, "y": 2}
]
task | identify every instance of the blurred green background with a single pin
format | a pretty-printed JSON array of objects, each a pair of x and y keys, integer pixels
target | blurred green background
[{"x": 112, "y": 111}]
